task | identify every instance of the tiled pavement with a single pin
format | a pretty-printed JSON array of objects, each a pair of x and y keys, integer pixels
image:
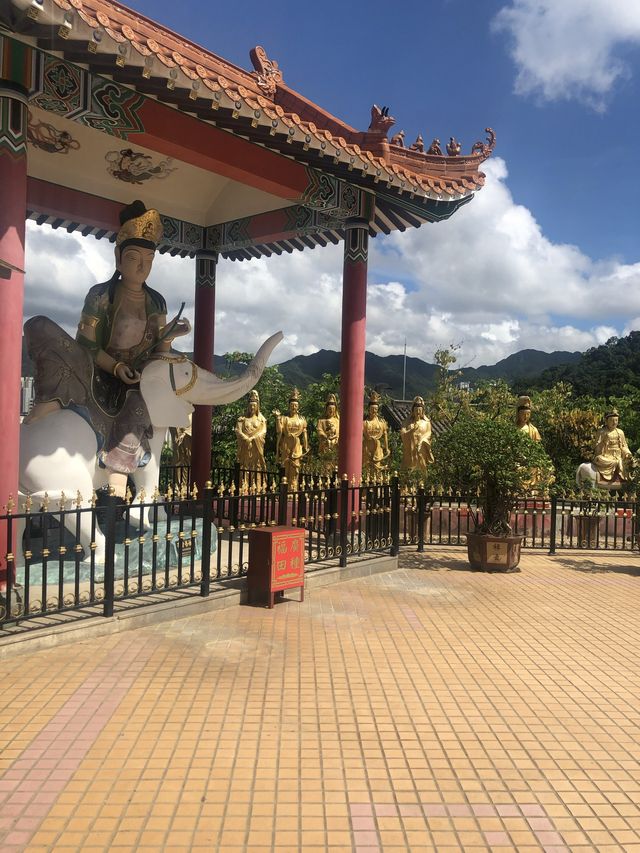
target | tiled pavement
[{"x": 427, "y": 708}]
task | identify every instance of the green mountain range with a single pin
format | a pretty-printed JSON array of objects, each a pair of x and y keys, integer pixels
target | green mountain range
[
  {"x": 385, "y": 372},
  {"x": 604, "y": 371}
]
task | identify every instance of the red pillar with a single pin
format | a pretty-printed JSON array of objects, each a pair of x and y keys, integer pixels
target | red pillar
[
  {"x": 205, "y": 306},
  {"x": 13, "y": 181},
  {"x": 354, "y": 312}
]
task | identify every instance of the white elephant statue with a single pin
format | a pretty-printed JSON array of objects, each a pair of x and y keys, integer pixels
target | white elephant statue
[
  {"x": 58, "y": 452},
  {"x": 587, "y": 476}
]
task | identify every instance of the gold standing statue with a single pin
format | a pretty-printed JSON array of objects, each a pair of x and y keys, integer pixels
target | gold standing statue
[
  {"x": 292, "y": 443},
  {"x": 523, "y": 419},
  {"x": 416, "y": 439},
  {"x": 251, "y": 431},
  {"x": 328, "y": 429},
  {"x": 611, "y": 456},
  {"x": 375, "y": 439}
]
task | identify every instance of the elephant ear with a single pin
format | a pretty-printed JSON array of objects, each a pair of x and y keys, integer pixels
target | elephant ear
[{"x": 166, "y": 409}]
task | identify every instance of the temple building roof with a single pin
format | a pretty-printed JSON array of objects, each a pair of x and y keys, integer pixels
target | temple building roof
[{"x": 412, "y": 183}]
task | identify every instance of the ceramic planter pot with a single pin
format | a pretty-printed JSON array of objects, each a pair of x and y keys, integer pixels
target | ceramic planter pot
[{"x": 494, "y": 553}]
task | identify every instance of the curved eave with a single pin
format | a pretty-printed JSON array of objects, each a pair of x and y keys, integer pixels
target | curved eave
[
  {"x": 388, "y": 217},
  {"x": 119, "y": 46}
]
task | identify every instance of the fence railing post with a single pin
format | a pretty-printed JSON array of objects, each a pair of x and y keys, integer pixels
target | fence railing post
[
  {"x": 395, "y": 517},
  {"x": 205, "y": 556},
  {"x": 111, "y": 506},
  {"x": 344, "y": 519},
  {"x": 553, "y": 531},
  {"x": 421, "y": 518},
  {"x": 282, "y": 501}
]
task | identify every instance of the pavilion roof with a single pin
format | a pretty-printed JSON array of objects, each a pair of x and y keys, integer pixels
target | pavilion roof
[{"x": 115, "y": 41}]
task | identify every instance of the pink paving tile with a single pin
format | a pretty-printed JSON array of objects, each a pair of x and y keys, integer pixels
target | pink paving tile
[
  {"x": 361, "y": 809},
  {"x": 363, "y": 823},
  {"x": 497, "y": 839},
  {"x": 532, "y": 810},
  {"x": 483, "y": 810},
  {"x": 459, "y": 810},
  {"x": 17, "y": 838}
]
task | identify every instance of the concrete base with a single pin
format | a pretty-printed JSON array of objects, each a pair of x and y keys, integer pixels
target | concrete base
[{"x": 60, "y": 628}]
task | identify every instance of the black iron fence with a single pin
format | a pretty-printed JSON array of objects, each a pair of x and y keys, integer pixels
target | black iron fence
[
  {"x": 70, "y": 556},
  {"x": 550, "y": 523}
]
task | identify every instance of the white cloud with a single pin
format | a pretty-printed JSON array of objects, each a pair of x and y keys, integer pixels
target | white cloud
[
  {"x": 487, "y": 278},
  {"x": 569, "y": 48}
]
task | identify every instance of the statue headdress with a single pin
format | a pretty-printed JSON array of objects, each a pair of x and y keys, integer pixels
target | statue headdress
[
  {"x": 294, "y": 396},
  {"x": 417, "y": 401},
  {"x": 374, "y": 398},
  {"x": 611, "y": 413},
  {"x": 524, "y": 404},
  {"x": 139, "y": 227},
  {"x": 254, "y": 397}
]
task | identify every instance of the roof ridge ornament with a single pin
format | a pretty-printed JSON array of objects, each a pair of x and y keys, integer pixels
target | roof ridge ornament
[
  {"x": 381, "y": 121},
  {"x": 267, "y": 71},
  {"x": 485, "y": 149}
]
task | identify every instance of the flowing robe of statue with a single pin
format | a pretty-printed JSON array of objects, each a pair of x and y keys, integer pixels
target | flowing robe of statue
[
  {"x": 416, "y": 444},
  {"x": 251, "y": 431},
  {"x": 292, "y": 444},
  {"x": 375, "y": 443},
  {"x": 612, "y": 456},
  {"x": 529, "y": 430},
  {"x": 328, "y": 430}
]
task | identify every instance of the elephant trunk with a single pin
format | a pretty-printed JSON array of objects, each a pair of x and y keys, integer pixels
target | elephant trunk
[{"x": 214, "y": 391}]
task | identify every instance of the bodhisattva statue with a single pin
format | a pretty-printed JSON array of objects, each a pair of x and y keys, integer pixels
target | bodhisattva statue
[
  {"x": 251, "y": 431},
  {"x": 122, "y": 325},
  {"x": 611, "y": 457},
  {"x": 292, "y": 443},
  {"x": 523, "y": 419},
  {"x": 375, "y": 438},
  {"x": 328, "y": 429},
  {"x": 416, "y": 439}
]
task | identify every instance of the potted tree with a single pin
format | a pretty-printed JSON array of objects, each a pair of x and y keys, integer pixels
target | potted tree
[{"x": 494, "y": 464}]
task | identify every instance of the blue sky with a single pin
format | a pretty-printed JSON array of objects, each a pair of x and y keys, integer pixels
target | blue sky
[{"x": 547, "y": 255}]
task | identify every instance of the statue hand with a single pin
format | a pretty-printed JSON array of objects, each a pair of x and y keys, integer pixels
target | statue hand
[
  {"x": 177, "y": 327},
  {"x": 127, "y": 374}
]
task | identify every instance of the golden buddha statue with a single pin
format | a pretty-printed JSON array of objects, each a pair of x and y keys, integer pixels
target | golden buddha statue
[
  {"x": 328, "y": 429},
  {"x": 416, "y": 439},
  {"x": 251, "y": 431},
  {"x": 375, "y": 438},
  {"x": 292, "y": 443},
  {"x": 523, "y": 419},
  {"x": 611, "y": 456}
]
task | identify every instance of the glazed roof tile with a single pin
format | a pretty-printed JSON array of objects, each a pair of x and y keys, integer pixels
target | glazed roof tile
[{"x": 99, "y": 30}]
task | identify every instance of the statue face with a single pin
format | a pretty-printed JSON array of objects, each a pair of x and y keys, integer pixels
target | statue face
[
  {"x": 373, "y": 410},
  {"x": 330, "y": 411},
  {"x": 135, "y": 264},
  {"x": 612, "y": 421},
  {"x": 524, "y": 416},
  {"x": 253, "y": 407},
  {"x": 293, "y": 407},
  {"x": 418, "y": 412}
]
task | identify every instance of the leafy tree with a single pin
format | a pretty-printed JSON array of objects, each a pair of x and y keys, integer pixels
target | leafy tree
[{"x": 492, "y": 459}]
